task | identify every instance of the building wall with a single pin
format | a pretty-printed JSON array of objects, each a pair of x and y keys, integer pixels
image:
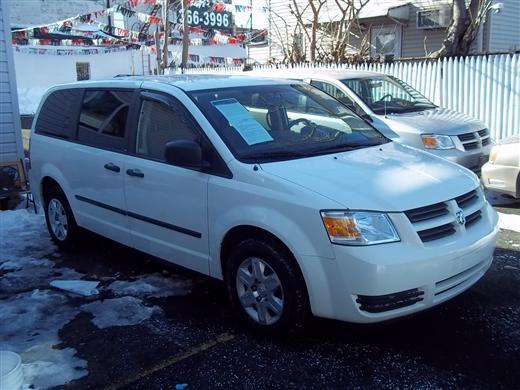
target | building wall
[
  {"x": 52, "y": 69},
  {"x": 503, "y": 30},
  {"x": 37, "y": 12},
  {"x": 11, "y": 148}
]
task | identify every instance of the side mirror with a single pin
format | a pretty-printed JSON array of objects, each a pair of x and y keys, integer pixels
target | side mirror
[{"x": 187, "y": 154}]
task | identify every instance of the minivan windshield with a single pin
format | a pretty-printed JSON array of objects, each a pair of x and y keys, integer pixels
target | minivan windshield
[
  {"x": 280, "y": 122},
  {"x": 388, "y": 95}
]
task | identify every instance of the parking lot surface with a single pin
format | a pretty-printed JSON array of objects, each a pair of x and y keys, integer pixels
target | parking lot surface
[{"x": 152, "y": 326}]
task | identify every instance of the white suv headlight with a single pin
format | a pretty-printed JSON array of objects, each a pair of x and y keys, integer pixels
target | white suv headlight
[
  {"x": 358, "y": 227},
  {"x": 437, "y": 141}
]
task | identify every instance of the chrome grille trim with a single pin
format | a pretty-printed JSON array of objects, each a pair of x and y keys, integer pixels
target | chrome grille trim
[
  {"x": 475, "y": 140},
  {"x": 427, "y": 212},
  {"x": 439, "y": 220}
]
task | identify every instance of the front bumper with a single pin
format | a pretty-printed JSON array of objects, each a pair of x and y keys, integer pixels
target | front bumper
[
  {"x": 338, "y": 288},
  {"x": 473, "y": 160}
]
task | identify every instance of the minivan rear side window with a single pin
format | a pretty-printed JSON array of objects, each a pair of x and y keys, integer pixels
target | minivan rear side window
[
  {"x": 103, "y": 118},
  {"x": 58, "y": 114}
]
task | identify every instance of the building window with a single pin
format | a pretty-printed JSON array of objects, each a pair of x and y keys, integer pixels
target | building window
[
  {"x": 83, "y": 71},
  {"x": 385, "y": 40}
]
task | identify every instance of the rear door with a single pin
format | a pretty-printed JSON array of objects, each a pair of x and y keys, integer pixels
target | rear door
[
  {"x": 167, "y": 205},
  {"x": 97, "y": 175}
]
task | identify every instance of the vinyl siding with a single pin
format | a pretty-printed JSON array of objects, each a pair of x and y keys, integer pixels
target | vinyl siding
[
  {"x": 10, "y": 134},
  {"x": 503, "y": 30}
]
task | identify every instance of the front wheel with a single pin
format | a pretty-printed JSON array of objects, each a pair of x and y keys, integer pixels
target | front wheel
[
  {"x": 266, "y": 287},
  {"x": 60, "y": 220}
]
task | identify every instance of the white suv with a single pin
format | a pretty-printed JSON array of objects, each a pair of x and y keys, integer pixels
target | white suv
[{"x": 273, "y": 186}]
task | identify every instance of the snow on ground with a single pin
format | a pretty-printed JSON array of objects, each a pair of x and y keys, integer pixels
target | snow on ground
[
  {"x": 152, "y": 286},
  {"x": 32, "y": 312},
  {"x": 119, "y": 312}
]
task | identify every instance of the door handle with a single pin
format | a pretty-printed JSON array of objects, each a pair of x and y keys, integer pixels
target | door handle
[
  {"x": 112, "y": 167},
  {"x": 134, "y": 172}
]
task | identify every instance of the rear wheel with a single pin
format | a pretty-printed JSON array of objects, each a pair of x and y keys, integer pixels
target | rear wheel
[
  {"x": 60, "y": 220},
  {"x": 266, "y": 287}
]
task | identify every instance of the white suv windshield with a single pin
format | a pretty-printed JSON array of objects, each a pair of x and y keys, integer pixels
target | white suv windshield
[
  {"x": 387, "y": 94},
  {"x": 281, "y": 122}
]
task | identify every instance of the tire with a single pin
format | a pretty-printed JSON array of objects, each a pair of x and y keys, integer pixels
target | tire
[
  {"x": 60, "y": 221},
  {"x": 270, "y": 294}
]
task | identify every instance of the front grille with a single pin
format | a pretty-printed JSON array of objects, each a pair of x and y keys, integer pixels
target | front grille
[
  {"x": 382, "y": 303},
  {"x": 466, "y": 137},
  {"x": 470, "y": 141},
  {"x": 471, "y": 145},
  {"x": 466, "y": 199},
  {"x": 483, "y": 133},
  {"x": 473, "y": 218},
  {"x": 439, "y": 220},
  {"x": 427, "y": 212},
  {"x": 436, "y": 232}
]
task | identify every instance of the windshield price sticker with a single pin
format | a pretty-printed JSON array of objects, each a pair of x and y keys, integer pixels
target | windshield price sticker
[{"x": 249, "y": 129}]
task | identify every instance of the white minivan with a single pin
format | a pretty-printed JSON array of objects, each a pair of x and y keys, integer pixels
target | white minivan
[
  {"x": 272, "y": 186},
  {"x": 402, "y": 114}
]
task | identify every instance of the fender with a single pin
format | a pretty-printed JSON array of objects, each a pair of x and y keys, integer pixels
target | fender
[{"x": 310, "y": 240}]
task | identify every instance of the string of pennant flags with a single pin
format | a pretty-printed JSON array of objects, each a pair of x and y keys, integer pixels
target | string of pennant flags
[
  {"x": 193, "y": 59},
  {"x": 72, "y": 27}
]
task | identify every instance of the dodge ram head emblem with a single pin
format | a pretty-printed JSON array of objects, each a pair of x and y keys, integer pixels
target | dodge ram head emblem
[{"x": 461, "y": 219}]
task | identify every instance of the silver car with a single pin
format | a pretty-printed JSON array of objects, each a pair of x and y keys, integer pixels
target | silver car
[{"x": 403, "y": 114}]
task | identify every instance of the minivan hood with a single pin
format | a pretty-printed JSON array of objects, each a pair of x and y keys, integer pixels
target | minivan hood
[
  {"x": 437, "y": 121},
  {"x": 389, "y": 177}
]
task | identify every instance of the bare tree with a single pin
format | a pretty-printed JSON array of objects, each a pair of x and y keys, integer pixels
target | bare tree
[
  {"x": 464, "y": 26},
  {"x": 284, "y": 36},
  {"x": 341, "y": 29},
  {"x": 315, "y": 7}
]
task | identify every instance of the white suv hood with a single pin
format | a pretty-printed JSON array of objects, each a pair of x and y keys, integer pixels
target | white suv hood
[
  {"x": 390, "y": 177},
  {"x": 438, "y": 121}
]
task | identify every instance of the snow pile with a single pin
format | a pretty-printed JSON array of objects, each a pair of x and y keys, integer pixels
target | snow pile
[
  {"x": 119, "y": 312},
  {"x": 32, "y": 312},
  {"x": 29, "y": 326},
  {"x": 152, "y": 286}
]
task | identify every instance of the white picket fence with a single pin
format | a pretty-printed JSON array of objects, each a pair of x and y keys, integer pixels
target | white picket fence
[{"x": 484, "y": 87}]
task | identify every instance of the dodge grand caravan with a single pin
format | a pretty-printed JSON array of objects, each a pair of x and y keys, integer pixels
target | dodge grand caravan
[
  {"x": 403, "y": 114},
  {"x": 272, "y": 186}
]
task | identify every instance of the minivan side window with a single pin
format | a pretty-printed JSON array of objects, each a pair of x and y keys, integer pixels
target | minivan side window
[
  {"x": 333, "y": 91},
  {"x": 58, "y": 114},
  {"x": 103, "y": 118},
  {"x": 159, "y": 124}
]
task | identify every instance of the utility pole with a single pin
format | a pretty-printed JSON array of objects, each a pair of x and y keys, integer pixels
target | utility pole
[
  {"x": 167, "y": 28},
  {"x": 185, "y": 35},
  {"x": 109, "y": 18}
]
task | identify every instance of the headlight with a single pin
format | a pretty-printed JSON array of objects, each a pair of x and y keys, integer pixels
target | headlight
[
  {"x": 436, "y": 141},
  {"x": 493, "y": 154},
  {"x": 359, "y": 227}
]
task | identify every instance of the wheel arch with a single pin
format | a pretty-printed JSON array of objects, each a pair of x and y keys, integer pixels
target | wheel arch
[{"x": 240, "y": 233}]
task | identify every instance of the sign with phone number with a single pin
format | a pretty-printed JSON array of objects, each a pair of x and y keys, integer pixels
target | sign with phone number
[{"x": 206, "y": 17}]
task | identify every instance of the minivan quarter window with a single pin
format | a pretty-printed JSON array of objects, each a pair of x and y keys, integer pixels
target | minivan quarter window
[{"x": 58, "y": 114}]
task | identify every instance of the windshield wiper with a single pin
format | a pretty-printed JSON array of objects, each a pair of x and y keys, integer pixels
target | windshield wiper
[{"x": 273, "y": 155}]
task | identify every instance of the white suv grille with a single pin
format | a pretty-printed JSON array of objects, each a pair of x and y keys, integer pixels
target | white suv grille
[{"x": 444, "y": 219}]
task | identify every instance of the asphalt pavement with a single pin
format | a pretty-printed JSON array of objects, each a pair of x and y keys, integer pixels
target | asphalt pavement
[{"x": 472, "y": 341}]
